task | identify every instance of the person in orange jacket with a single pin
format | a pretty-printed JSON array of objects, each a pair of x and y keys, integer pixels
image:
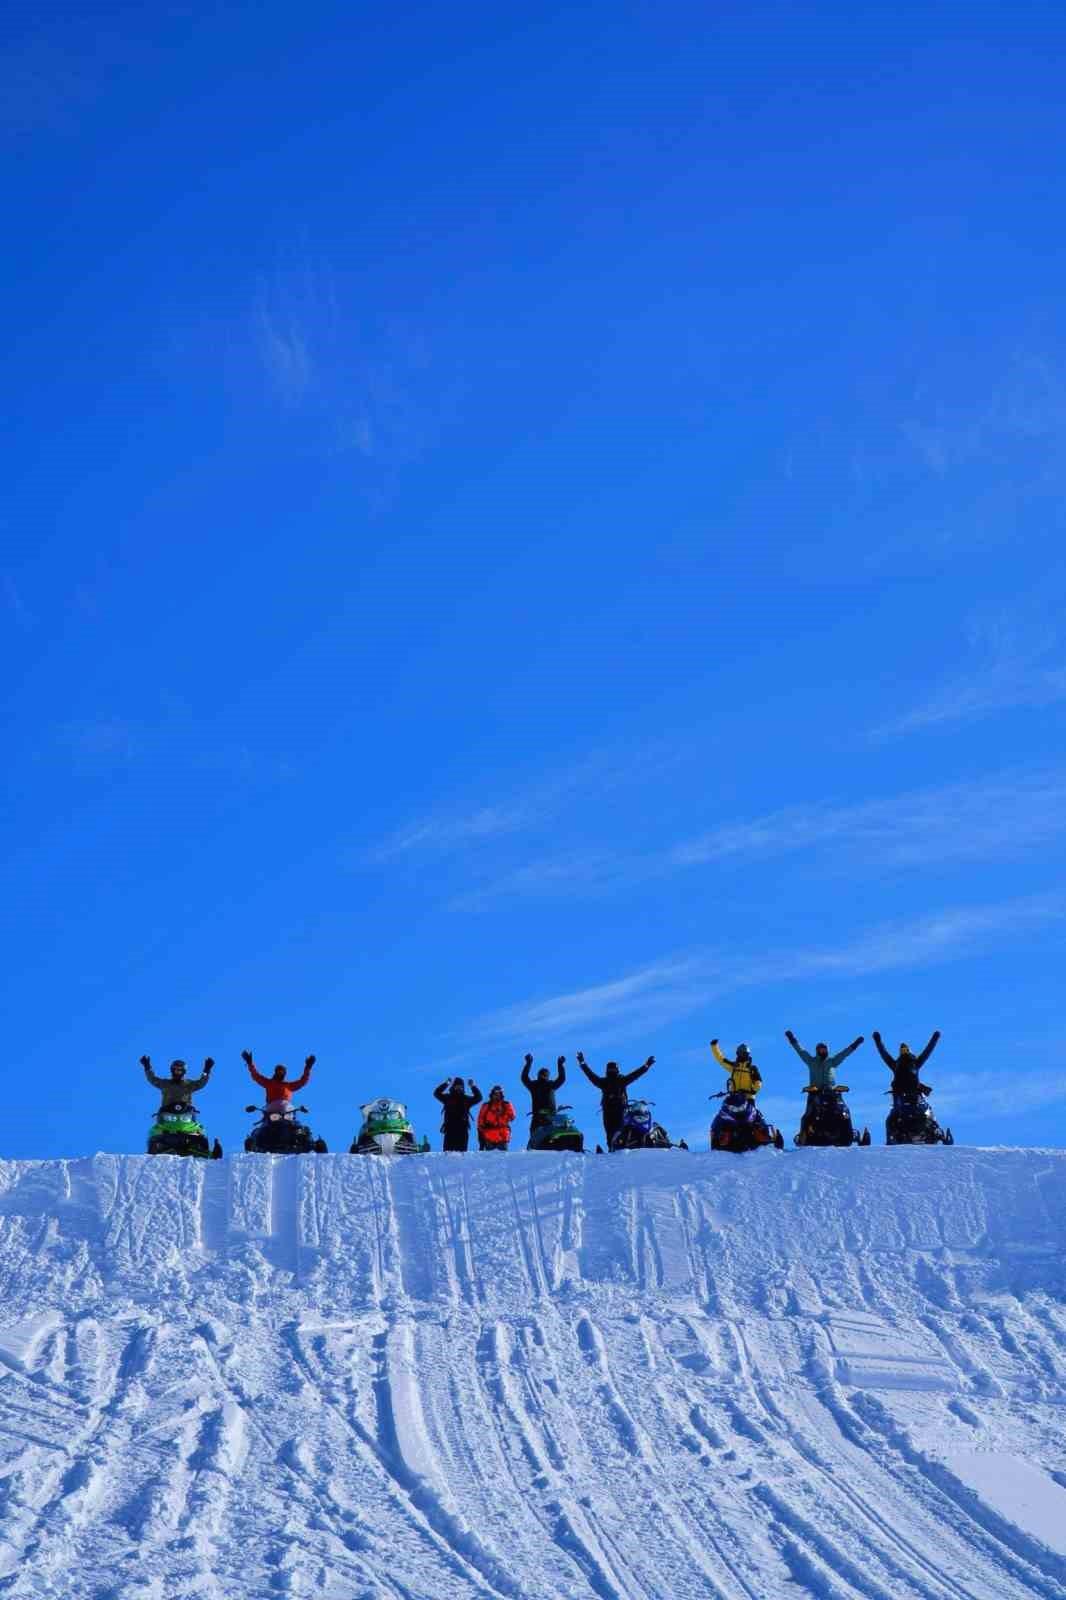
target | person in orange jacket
[
  {"x": 278, "y": 1089},
  {"x": 494, "y": 1121}
]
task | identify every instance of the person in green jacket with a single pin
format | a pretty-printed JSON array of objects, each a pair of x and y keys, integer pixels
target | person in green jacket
[
  {"x": 822, "y": 1066},
  {"x": 177, "y": 1090}
]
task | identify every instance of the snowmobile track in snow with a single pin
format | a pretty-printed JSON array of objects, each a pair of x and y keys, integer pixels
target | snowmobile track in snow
[{"x": 666, "y": 1376}]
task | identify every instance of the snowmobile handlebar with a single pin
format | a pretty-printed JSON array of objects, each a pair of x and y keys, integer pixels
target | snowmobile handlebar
[{"x": 287, "y": 1108}]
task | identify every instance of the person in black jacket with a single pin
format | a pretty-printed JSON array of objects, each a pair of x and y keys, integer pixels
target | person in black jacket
[
  {"x": 542, "y": 1091},
  {"x": 457, "y": 1107},
  {"x": 906, "y": 1067},
  {"x": 614, "y": 1090}
]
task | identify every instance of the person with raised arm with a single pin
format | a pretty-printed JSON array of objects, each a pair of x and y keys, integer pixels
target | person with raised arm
[
  {"x": 822, "y": 1066},
  {"x": 614, "y": 1091},
  {"x": 744, "y": 1075},
  {"x": 906, "y": 1067},
  {"x": 278, "y": 1088},
  {"x": 455, "y": 1124},
  {"x": 177, "y": 1090},
  {"x": 542, "y": 1091}
]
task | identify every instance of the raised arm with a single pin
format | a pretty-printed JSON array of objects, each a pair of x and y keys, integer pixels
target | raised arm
[
  {"x": 596, "y": 1081},
  {"x": 246, "y": 1057},
  {"x": 441, "y": 1090},
  {"x": 638, "y": 1072},
  {"x": 299, "y": 1082},
  {"x": 560, "y": 1075},
  {"x": 199, "y": 1083},
  {"x": 882, "y": 1052},
  {"x": 930, "y": 1047},
  {"x": 525, "y": 1073},
  {"x": 722, "y": 1060},
  {"x": 808, "y": 1060},
  {"x": 475, "y": 1093},
  {"x": 146, "y": 1063}
]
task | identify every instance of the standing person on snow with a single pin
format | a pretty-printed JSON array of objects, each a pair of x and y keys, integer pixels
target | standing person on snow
[
  {"x": 905, "y": 1068},
  {"x": 744, "y": 1075},
  {"x": 457, "y": 1104},
  {"x": 542, "y": 1091},
  {"x": 177, "y": 1090},
  {"x": 494, "y": 1121},
  {"x": 614, "y": 1091},
  {"x": 278, "y": 1089},
  {"x": 822, "y": 1066}
]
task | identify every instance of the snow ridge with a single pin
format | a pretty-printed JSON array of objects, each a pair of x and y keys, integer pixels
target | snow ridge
[{"x": 834, "y": 1373}]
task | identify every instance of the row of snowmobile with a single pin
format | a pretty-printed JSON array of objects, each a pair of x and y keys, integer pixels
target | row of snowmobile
[
  {"x": 738, "y": 1126},
  {"x": 386, "y": 1130}
]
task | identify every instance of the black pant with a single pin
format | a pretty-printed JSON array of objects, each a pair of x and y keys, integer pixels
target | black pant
[
  {"x": 613, "y": 1116},
  {"x": 457, "y": 1138}
]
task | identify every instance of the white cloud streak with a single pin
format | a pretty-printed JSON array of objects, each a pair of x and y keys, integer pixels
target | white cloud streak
[
  {"x": 1019, "y": 670},
  {"x": 593, "y": 776},
  {"x": 674, "y": 987},
  {"x": 1002, "y": 817}
]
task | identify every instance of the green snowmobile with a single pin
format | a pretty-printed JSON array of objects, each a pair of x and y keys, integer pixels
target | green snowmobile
[
  {"x": 179, "y": 1132},
  {"x": 386, "y": 1131}
]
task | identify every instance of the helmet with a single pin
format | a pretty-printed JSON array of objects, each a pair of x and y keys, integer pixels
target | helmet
[
  {"x": 821, "y": 1049},
  {"x": 494, "y": 1091},
  {"x": 543, "y": 1073},
  {"x": 177, "y": 1069},
  {"x": 612, "y": 1069},
  {"x": 279, "y": 1072},
  {"x": 743, "y": 1053},
  {"x": 905, "y": 1049}
]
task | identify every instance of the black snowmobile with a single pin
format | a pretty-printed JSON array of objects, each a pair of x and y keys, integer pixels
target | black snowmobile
[
  {"x": 178, "y": 1131},
  {"x": 911, "y": 1121},
  {"x": 740, "y": 1126},
  {"x": 278, "y": 1133},
  {"x": 640, "y": 1131},
  {"x": 827, "y": 1120}
]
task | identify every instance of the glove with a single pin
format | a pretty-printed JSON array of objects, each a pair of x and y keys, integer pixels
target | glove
[
  {"x": 208, "y": 1064},
  {"x": 561, "y": 1062},
  {"x": 309, "y": 1063},
  {"x": 246, "y": 1057},
  {"x": 581, "y": 1058},
  {"x": 789, "y": 1034},
  {"x": 146, "y": 1063},
  {"x": 529, "y": 1061},
  {"x": 713, "y": 1043},
  {"x": 650, "y": 1061}
]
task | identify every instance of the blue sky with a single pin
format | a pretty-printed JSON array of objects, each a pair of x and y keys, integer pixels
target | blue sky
[{"x": 532, "y": 528}]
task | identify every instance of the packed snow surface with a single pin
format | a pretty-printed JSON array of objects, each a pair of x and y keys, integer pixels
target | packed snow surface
[{"x": 827, "y": 1372}]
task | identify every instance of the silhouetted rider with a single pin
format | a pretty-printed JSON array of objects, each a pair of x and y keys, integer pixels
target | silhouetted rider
[
  {"x": 614, "y": 1091},
  {"x": 542, "y": 1091}
]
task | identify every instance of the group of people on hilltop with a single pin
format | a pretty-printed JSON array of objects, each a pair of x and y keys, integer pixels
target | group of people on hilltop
[{"x": 459, "y": 1096}]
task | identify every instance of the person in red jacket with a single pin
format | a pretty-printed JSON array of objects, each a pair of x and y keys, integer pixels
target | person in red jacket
[
  {"x": 279, "y": 1089},
  {"x": 494, "y": 1121}
]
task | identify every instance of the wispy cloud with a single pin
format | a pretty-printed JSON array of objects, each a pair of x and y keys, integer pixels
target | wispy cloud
[
  {"x": 676, "y": 986},
  {"x": 997, "y": 1093},
  {"x": 592, "y": 777},
  {"x": 1013, "y": 668},
  {"x": 1025, "y": 405},
  {"x": 443, "y": 834},
  {"x": 1001, "y": 817}
]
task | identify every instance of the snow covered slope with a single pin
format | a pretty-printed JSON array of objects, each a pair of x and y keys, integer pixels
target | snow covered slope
[{"x": 831, "y": 1373}]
